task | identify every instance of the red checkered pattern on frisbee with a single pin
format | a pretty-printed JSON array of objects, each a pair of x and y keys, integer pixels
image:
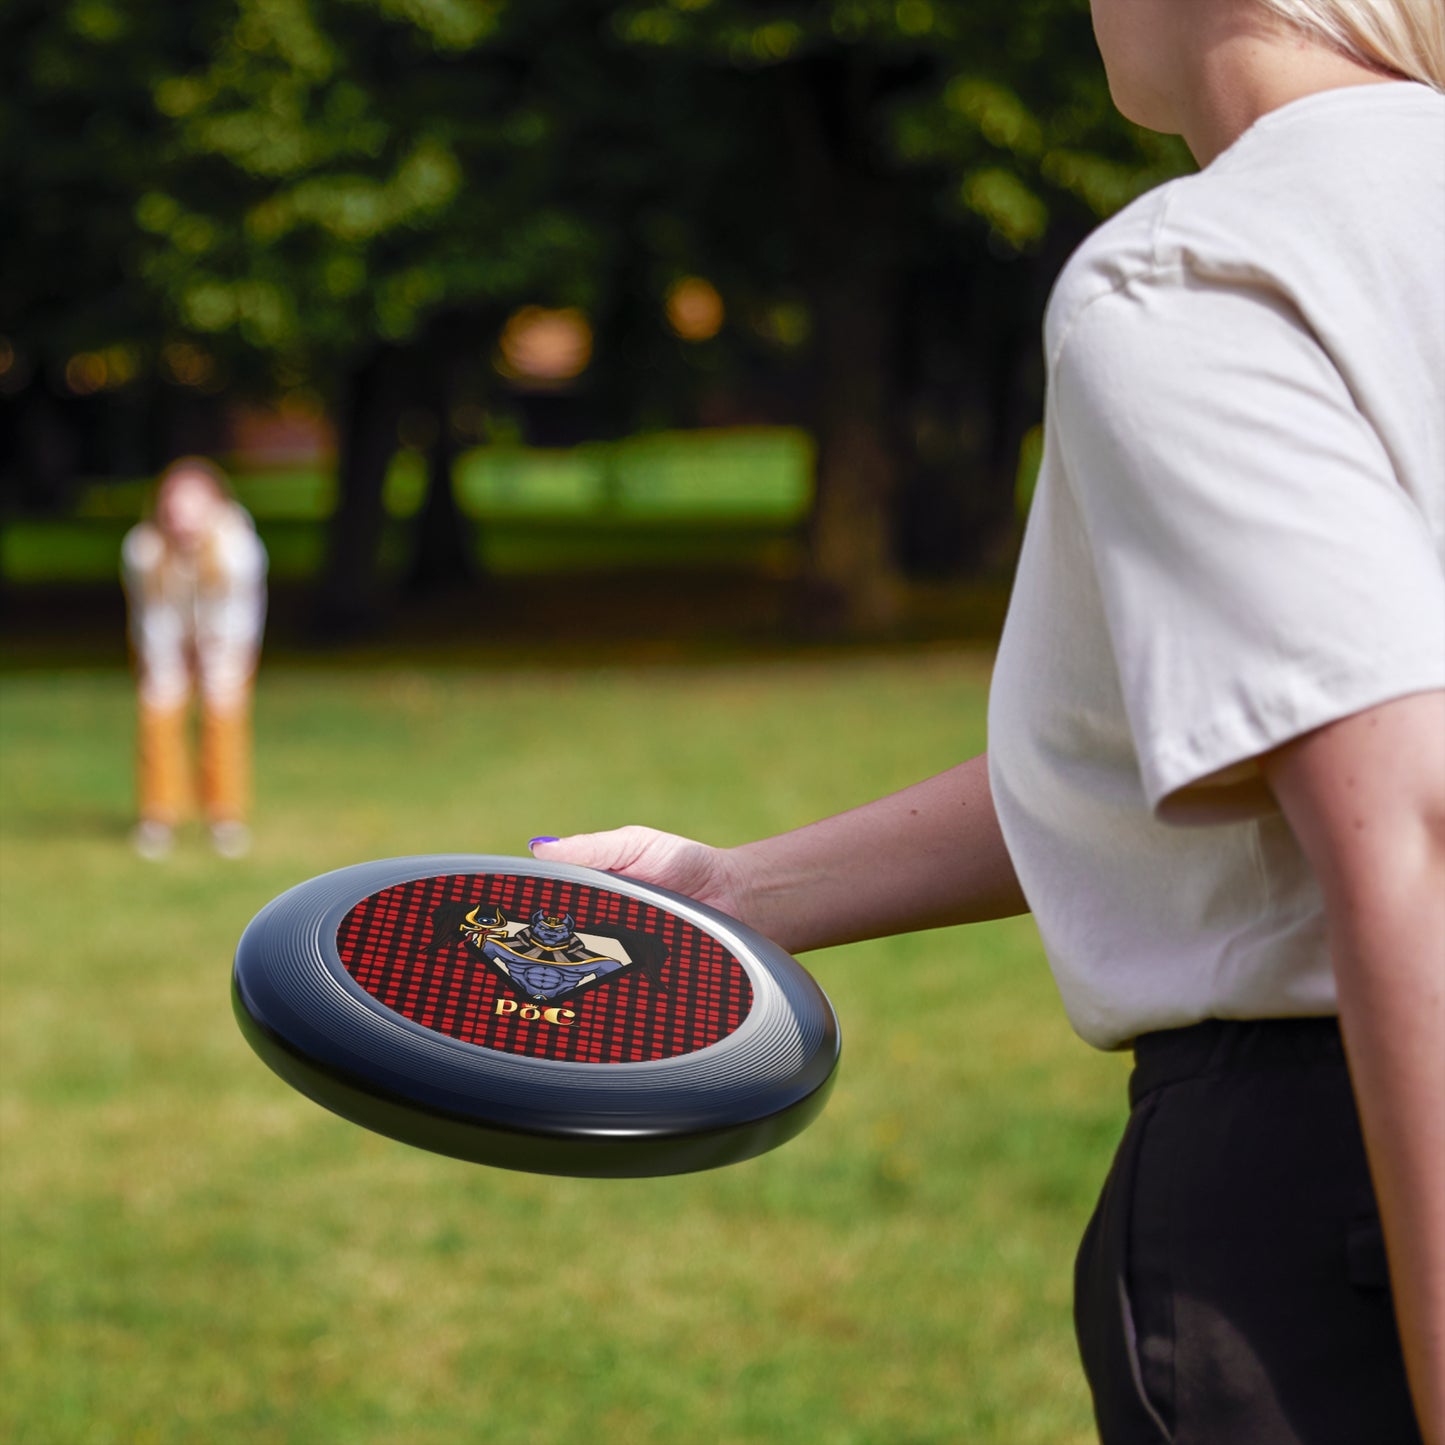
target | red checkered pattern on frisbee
[{"x": 700, "y": 994}]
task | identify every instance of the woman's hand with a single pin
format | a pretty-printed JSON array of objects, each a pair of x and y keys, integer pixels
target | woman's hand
[{"x": 710, "y": 875}]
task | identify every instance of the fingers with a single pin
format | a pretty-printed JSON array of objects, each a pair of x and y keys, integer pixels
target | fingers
[
  {"x": 650, "y": 856},
  {"x": 612, "y": 851}
]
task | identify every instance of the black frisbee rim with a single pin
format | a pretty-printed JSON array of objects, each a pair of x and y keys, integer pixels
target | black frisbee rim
[{"x": 318, "y": 1029}]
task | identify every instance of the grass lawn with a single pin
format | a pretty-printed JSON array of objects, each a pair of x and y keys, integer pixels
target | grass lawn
[{"x": 191, "y": 1252}]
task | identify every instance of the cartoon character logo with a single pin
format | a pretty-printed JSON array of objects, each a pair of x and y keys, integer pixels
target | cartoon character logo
[
  {"x": 545, "y": 958},
  {"x": 551, "y": 930}
]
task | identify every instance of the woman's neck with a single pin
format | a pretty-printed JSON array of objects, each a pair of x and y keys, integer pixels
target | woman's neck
[{"x": 1244, "y": 69}]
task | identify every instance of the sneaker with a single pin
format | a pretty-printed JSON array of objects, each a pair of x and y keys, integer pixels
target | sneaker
[
  {"x": 152, "y": 840},
  {"x": 231, "y": 839}
]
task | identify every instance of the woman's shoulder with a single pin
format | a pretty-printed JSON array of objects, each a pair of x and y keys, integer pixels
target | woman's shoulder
[
  {"x": 237, "y": 546},
  {"x": 241, "y": 526},
  {"x": 1316, "y": 200},
  {"x": 235, "y": 520},
  {"x": 1114, "y": 255}
]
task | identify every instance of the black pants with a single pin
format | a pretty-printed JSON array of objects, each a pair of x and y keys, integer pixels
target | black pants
[{"x": 1231, "y": 1288}]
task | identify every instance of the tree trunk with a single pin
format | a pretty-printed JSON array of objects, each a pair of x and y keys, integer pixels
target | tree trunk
[
  {"x": 851, "y": 555},
  {"x": 851, "y": 264},
  {"x": 442, "y": 558},
  {"x": 349, "y": 602},
  {"x": 46, "y": 450}
]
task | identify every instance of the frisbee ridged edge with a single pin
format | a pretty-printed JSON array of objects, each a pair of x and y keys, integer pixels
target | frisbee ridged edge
[{"x": 314, "y": 1025}]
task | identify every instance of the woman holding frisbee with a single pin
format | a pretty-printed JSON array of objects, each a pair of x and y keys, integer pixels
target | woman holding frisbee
[{"x": 1217, "y": 734}]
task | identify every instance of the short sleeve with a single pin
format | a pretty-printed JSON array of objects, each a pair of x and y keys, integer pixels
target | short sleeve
[
  {"x": 1263, "y": 570},
  {"x": 239, "y": 551}
]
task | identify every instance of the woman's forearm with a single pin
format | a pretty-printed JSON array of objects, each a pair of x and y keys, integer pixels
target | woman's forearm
[
  {"x": 1366, "y": 799},
  {"x": 1389, "y": 958},
  {"x": 926, "y": 857}
]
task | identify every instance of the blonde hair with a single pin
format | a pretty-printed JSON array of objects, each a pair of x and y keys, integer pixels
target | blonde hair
[{"x": 1404, "y": 37}]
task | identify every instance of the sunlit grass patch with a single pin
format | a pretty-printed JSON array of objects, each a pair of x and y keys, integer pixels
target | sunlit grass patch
[{"x": 192, "y": 1252}]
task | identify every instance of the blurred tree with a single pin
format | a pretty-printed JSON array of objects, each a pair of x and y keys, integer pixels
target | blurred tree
[
  {"x": 924, "y": 165},
  {"x": 354, "y": 195},
  {"x": 368, "y": 188},
  {"x": 363, "y": 190},
  {"x": 79, "y": 139}
]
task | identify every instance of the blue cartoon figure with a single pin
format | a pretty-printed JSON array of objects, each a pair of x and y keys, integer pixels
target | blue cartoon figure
[{"x": 546, "y": 958}]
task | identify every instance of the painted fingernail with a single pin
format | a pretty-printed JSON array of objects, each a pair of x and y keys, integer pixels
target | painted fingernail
[{"x": 532, "y": 843}]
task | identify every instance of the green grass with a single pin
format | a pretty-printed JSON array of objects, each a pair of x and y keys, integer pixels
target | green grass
[{"x": 191, "y": 1252}]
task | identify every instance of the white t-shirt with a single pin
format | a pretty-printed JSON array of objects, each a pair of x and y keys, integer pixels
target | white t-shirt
[
  {"x": 1238, "y": 535},
  {"x": 196, "y": 621}
]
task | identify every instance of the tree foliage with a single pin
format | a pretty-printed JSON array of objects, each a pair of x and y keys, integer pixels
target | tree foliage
[{"x": 352, "y": 195}]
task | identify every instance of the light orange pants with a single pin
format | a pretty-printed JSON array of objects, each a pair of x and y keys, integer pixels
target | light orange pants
[{"x": 165, "y": 782}]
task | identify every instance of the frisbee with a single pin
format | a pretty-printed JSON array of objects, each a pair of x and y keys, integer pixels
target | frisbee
[{"x": 535, "y": 1016}]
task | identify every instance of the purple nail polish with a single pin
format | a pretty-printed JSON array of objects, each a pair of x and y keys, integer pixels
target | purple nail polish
[{"x": 532, "y": 843}]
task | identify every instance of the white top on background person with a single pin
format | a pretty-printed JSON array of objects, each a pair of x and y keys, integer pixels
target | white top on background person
[
  {"x": 1329, "y": 748},
  {"x": 1238, "y": 536},
  {"x": 195, "y": 579}
]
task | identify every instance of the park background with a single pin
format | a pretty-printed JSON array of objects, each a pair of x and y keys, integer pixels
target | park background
[{"x": 639, "y": 403}]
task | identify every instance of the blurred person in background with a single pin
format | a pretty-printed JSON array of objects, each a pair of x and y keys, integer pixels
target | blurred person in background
[
  {"x": 1216, "y": 767},
  {"x": 195, "y": 583}
]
